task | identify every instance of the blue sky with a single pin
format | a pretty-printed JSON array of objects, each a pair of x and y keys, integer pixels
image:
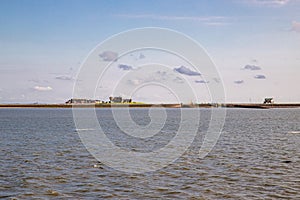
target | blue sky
[{"x": 43, "y": 43}]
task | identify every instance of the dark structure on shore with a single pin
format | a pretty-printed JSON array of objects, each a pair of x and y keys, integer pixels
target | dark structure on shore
[{"x": 268, "y": 100}]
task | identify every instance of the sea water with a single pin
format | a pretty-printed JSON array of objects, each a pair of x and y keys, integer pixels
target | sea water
[{"x": 256, "y": 157}]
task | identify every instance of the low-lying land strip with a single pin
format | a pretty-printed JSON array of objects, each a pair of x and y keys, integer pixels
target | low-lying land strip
[{"x": 145, "y": 105}]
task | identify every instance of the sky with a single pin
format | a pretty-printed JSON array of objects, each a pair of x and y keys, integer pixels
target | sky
[{"x": 254, "y": 44}]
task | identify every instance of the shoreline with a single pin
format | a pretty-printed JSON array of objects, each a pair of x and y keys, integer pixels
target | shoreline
[{"x": 207, "y": 105}]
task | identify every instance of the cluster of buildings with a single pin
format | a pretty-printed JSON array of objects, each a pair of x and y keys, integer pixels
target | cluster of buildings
[
  {"x": 91, "y": 101},
  {"x": 119, "y": 100}
]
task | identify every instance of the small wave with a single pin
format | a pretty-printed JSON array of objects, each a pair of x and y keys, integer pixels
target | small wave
[
  {"x": 294, "y": 132},
  {"x": 85, "y": 129}
]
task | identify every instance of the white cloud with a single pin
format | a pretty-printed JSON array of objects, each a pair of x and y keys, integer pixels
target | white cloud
[
  {"x": 134, "y": 82},
  {"x": 239, "y": 81},
  {"x": 295, "y": 26},
  {"x": 109, "y": 56},
  {"x": 35, "y": 80},
  {"x": 217, "y": 23},
  {"x": 178, "y": 80},
  {"x": 41, "y": 88},
  {"x": 167, "y": 17},
  {"x": 125, "y": 67},
  {"x": 252, "y": 67},
  {"x": 186, "y": 71},
  {"x": 64, "y": 77},
  {"x": 201, "y": 81},
  {"x": 269, "y": 2},
  {"x": 260, "y": 76},
  {"x": 207, "y": 20},
  {"x": 254, "y": 60}
]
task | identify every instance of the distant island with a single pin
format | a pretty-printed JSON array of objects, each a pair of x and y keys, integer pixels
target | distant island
[{"x": 115, "y": 102}]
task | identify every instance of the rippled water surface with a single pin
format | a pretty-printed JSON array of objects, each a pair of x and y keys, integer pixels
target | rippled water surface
[{"x": 257, "y": 157}]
